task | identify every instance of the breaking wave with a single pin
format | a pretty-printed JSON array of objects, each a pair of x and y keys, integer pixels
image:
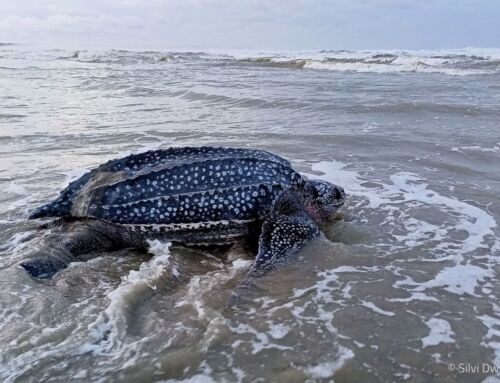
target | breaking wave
[
  {"x": 455, "y": 63},
  {"x": 469, "y": 61}
]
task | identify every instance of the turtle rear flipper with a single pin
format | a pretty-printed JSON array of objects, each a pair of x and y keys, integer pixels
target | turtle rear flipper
[
  {"x": 44, "y": 264},
  {"x": 286, "y": 231},
  {"x": 73, "y": 238}
]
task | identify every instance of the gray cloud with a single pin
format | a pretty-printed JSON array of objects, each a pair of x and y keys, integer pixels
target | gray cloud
[{"x": 253, "y": 24}]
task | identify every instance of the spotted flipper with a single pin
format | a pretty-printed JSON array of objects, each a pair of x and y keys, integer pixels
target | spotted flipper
[{"x": 286, "y": 231}]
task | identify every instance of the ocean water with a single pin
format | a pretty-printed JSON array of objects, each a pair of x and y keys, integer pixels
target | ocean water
[{"x": 405, "y": 289}]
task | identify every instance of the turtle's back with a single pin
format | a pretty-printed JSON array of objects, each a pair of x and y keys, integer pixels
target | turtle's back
[{"x": 178, "y": 188}]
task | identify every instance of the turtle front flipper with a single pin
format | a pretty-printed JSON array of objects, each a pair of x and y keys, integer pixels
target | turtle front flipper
[
  {"x": 287, "y": 230},
  {"x": 73, "y": 238}
]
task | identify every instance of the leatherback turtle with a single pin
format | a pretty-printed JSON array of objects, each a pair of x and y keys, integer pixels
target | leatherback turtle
[{"x": 186, "y": 195}]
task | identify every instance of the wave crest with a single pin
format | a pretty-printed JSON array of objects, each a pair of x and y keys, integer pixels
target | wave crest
[
  {"x": 455, "y": 63},
  {"x": 451, "y": 62}
]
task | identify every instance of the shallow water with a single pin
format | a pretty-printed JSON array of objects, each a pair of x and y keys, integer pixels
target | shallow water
[{"x": 407, "y": 286}]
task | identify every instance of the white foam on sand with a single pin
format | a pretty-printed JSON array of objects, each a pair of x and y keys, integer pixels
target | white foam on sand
[
  {"x": 201, "y": 285},
  {"x": 406, "y": 190},
  {"x": 112, "y": 323},
  {"x": 492, "y": 339},
  {"x": 440, "y": 332},
  {"x": 414, "y": 297},
  {"x": 203, "y": 377},
  {"x": 327, "y": 369},
  {"x": 410, "y": 188},
  {"x": 458, "y": 279},
  {"x": 377, "y": 309},
  {"x": 278, "y": 331},
  {"x": 261, "y": 341},
  {"x": 478, "y": 223},
  {"x": 199, "y": 288},
  {"x": 396, "y": 197}
]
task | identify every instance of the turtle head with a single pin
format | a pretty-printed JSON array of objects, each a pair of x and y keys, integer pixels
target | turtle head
[{"x": 323, "y": 199}]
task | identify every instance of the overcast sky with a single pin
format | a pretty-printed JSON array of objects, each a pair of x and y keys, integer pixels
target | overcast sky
[{"x": 253, "y": 24}]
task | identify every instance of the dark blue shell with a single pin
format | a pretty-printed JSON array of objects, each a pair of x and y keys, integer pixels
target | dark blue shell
[{"x": 178, "y": 186}]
